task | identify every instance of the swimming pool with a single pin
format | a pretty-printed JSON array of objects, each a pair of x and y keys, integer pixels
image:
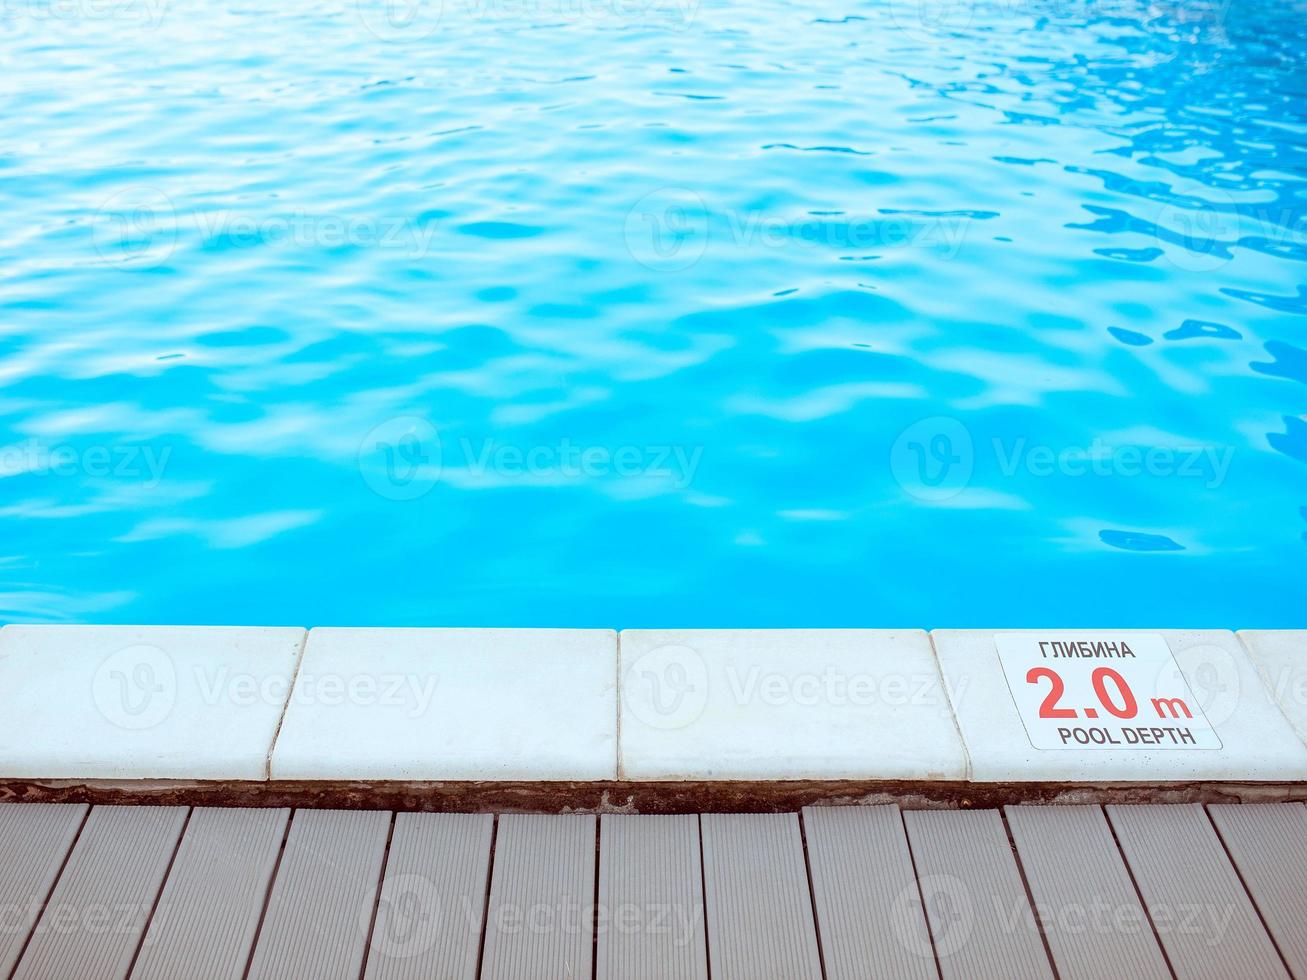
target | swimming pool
[{"x": 654, "y": 312}]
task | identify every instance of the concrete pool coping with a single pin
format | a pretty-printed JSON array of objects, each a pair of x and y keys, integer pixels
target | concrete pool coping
[{"x": 650, "y": 720}]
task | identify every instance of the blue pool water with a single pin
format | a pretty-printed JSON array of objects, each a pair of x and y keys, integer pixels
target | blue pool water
[{"x": 654, "y": 312}]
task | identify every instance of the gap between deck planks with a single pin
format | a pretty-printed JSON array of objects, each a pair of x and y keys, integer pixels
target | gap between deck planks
[{"x": 1077, "y": 892}]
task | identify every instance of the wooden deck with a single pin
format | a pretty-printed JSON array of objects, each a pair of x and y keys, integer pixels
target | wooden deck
[{"x": 1074, "y": 892}]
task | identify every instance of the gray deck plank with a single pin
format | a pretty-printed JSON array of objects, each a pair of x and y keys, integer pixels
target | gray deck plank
[
  {"x": 539, "y": 924},
  {"x": 1203, "y": 916},
  {"x": 759, "y": 907},
  {"x": 321, "y": 904},
  {"x": 92, "y": 925},
  {"x": 34, "y": 841},
  {"x": 894, "y": 894},
  {"x": 1090, "y": 912},
  {"x": 868, "y": 902},
  {"x": 975, "y": 901},
  {"x": 650, "y": 915},
  {"x": 210, "y": 908},
  {"x": 433, "y": 900},
  {"x": 1268, "y": 844}
]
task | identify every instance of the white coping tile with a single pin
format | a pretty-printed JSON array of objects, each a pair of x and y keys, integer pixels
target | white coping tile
[
  {"x": 1281, "y": 657},
  {"x": 1256, "y": 741},
  {"x": 142, "y": 702},
  {"x": 452, "y": 704},
  {"x": 784, "y": 705}
]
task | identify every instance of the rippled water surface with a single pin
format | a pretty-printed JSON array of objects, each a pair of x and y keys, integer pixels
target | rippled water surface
[{"x": 649, "y": 312}]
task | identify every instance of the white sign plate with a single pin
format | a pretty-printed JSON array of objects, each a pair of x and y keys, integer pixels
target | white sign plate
[{"x": 1100, "y": 690}]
